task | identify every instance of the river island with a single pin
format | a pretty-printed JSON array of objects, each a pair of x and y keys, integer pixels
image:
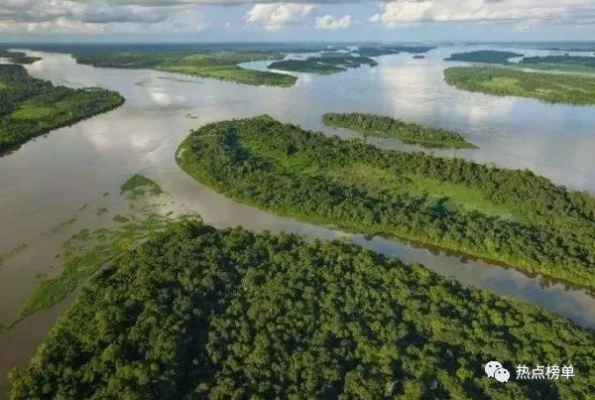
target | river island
[{"x": 510, "y": 216}]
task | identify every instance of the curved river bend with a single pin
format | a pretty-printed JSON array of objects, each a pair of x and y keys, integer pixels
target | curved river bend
[{"x": 48, "y": 179}]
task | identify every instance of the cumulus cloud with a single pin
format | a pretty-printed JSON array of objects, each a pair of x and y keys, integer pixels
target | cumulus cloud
[
  {"x": 155, "y": 3},
  {"x": 277, "y": 16},
  {"x": 139, "y": 16},
  {"x": 332, "y": 23},
  {"x": 399, "y": 12},
  {"x": 66, "y": 16}
]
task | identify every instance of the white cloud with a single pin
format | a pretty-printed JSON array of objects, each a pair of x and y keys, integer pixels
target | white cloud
[
  {"x": 556, "y": 11},
  {"x": 332, "y": 23},
  {"x": 65, "y": 16},
  {"x": 277, "y": 16}
]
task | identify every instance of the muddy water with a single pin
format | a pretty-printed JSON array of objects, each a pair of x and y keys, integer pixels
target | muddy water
[{"x": 49, "y": 179}]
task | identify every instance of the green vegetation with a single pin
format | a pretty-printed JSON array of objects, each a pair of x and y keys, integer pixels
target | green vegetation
[
  {"x": 510, "y": 82},
  {"x": 198, "y": 313},
  {"x": 306, "y": 66},
  {"x": 376, "y": 125},
  {"x": 101, "y": 210},
  {"x": 222, "y": 65},
  {"x": 563, "y": 63},
  {"x": 88, "y": 251},
  {"x": 324, "y": 64},
  {"x": 484, "y": 56},
  {"x": 514, "y": 217},
  {"x": 139, "y": 185},
  {"x": 31, "y": 107},
  {"x": 18, "y": 57}
]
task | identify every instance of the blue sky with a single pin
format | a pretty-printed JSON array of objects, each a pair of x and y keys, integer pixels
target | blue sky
[{"x": 322, "y": 20}]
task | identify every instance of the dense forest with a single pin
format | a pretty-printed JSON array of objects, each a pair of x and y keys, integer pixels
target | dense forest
[
  {"x": 198, "y": 313},
  {"x": 484, "y": 56},
  {"x": 306, "y": 66},
  {"x": 502, "y": 81},
  {"x": 511, "y": 216},
  {"x": 31, "y": 107},
  {"x": 566, "y": 62},
  {"x": 17, "y": 57},
  {"x": 222, "y": 65},
  {"x": 324, "y": 64},
  {"x": 381, "y": 126},
  {"x": 551, "y": 62}
]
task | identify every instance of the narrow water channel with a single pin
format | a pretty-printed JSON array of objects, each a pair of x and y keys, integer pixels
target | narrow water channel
[{"x": 48, "y": 179}]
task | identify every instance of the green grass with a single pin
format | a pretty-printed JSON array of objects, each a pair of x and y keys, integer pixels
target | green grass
[
  {"x": 33, "y": 111},
  {"x": 88, "y": 251},
  {"x": 457, "y": 197},
  {"x": 504, "y": 83},
  {"x": 139, "y": 185},
  {"x": 501, "y": 81}
]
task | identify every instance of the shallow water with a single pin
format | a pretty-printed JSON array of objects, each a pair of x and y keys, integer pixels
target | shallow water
[{"x": 48, "y": 179}]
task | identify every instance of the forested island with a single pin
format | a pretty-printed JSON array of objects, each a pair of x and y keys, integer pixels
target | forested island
[
  {"x": 510, "y": 216},
  {"x": 198, "y": 313},
  {"x": 31, "y": 107},
  {"x": 484, "y": 56},
  {"x": 382, "y": 126},
  {"x": 556, "y": 63},
  {"x": 18, "y": 57},
  {"x": 324, "y": 64},
  {"x": 222, "y": 65},
  {"x": 561, "y": 63},
  {"x": 500, "y": 81}
]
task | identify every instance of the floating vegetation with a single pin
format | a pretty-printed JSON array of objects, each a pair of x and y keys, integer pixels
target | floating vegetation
[
  {"x": 139, "y": 185},
  {"x": 87, "y": 251},
  {"x": 12, "y": 253},
  {"x": 64, "y": 224}
]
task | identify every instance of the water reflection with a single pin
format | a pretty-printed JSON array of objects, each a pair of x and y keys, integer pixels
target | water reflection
[{"x": 50, "y": 177}]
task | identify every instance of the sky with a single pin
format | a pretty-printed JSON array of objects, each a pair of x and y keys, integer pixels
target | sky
[{"x": 301, "y": 20}]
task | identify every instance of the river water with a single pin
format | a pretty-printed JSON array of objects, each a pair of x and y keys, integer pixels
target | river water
[{"x": 50, "y": 178}]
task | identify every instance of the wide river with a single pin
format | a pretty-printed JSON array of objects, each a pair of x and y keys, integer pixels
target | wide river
[{"x": 49, "y": 179}]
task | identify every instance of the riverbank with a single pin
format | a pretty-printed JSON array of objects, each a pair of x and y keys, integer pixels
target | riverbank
[
  {"x": 41, "y": 190},
  {"x": 224, "y": 312},
  {"x": 502, "y": 81},
  {"x": 453, "y": 204},
  {"x": 382, "y": 126},
  {"x": 31, "y": 107}
]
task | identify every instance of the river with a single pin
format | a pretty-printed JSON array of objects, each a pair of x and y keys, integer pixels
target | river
[{"x": 51, "y": 177}]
